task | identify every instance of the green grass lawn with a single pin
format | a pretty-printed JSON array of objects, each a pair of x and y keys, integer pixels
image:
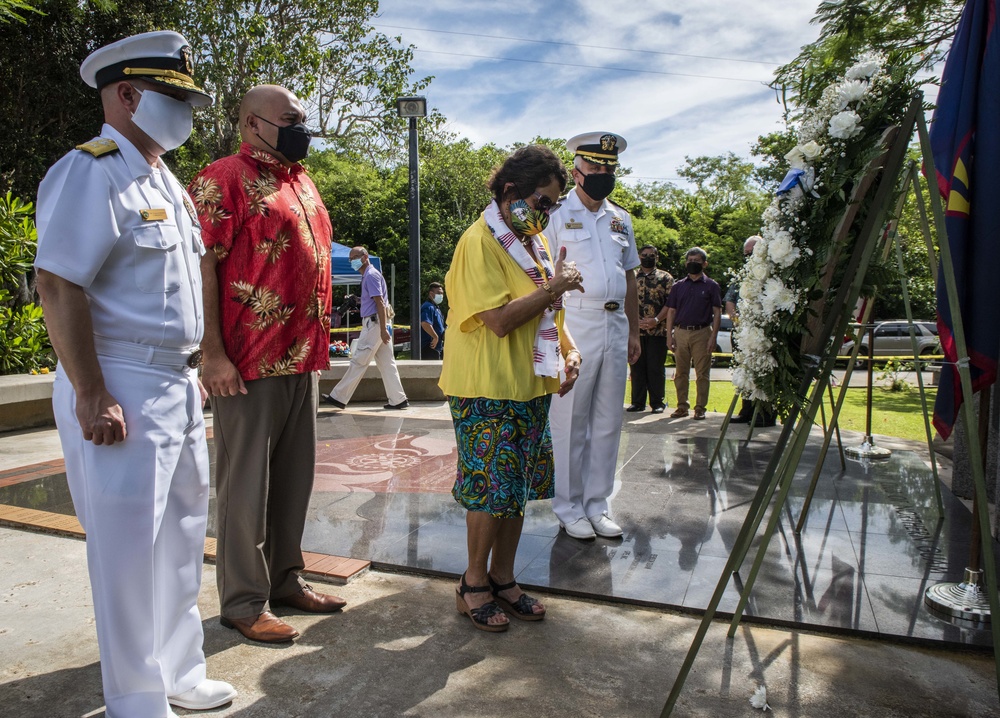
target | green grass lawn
[{"x": 894, "y": 413}]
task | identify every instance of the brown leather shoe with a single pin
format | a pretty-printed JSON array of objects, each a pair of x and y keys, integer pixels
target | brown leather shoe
[
  {"x": 266, "y": 628},
  {"x": 311, "y": 602},
  {"x": 679, "y": 413},
  {"x": 699, "y": 413}
]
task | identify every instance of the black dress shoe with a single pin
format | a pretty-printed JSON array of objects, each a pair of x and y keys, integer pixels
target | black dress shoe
[
  {"x": 635, "y": 407},
  {"x": 330, "y": 400},
  {"x": 401, "y": 405},
  {"x": 658, "y": 409},
  {"x": 740, "y": 419}
]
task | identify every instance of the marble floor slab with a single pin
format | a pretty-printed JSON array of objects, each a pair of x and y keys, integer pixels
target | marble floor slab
[{"x": 872, "y": 540}]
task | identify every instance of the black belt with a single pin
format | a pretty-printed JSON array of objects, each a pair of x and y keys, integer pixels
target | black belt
[
  {"x": 370, "y": 316},
  {"x": 694, "y": 327}
]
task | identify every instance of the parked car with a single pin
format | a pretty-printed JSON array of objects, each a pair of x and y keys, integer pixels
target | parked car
[
  {"x": 724, "y": 339},
  {"x": 892, "y": 338}
]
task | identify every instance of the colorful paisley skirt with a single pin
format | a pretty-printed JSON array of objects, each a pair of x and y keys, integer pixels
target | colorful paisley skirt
[{"x": 504, "y": 454}]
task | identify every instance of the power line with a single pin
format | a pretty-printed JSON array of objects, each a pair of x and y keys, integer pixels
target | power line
[
  {"x": 591, "y": 67},
  {"x": 573, "y": 44}
]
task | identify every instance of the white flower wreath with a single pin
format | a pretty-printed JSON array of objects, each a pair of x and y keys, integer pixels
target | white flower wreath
[{"x": 775, "y": 281}]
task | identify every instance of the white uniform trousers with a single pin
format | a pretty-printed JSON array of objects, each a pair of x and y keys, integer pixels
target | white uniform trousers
[
  {"x": 586, "y": 423},
  {"x": 144, "y": 505},
  {"x": 370, "y": 346}
]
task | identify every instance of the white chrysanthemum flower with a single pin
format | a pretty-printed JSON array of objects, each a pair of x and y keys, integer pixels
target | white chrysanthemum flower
[
  {"x": 759, "y": 270},
  {"x": 782, "y": 250},
  {"x": 845, "y": 125},
  {"x": 759, "y": 699},
  {"x": 752, "y": 340},
  {"x": 742, "y": 380},
  {"x": 865, "y": 67},
  {"x": 777, "y": 297},
  {"x": 750, "y": 289},
  {"x": 852, "y": 91}
]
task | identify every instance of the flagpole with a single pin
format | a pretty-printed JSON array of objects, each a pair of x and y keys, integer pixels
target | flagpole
[{"x": 954, "y": 598}]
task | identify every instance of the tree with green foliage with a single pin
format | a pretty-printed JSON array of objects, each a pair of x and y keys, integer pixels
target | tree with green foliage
[
  {"x": 325, "y": 51},
  {"x": 24, "y": 342},
  {"x": 718, "y": 215},
  {"x": 917, "y": 30},
  {"x": 14, "y": 11},
  {"x": 49, "y": 108},
  {"x": 724, "y": 182},
  {"x": 771, "y": 150}
]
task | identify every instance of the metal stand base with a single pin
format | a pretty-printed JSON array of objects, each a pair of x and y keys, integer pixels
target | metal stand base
[
  {"x": 966, "y": 600},
  {"x": 867, "y": 450}
]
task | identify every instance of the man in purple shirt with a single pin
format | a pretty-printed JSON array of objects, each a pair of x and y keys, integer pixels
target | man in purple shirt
[
  {"x": 375, "y": 341},
  {"x": 694, "y": 310}
]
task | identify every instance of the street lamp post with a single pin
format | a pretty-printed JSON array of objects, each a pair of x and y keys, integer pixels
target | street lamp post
[{"x": 412, "y": 108}]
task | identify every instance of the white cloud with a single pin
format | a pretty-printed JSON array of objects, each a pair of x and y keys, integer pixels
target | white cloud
[{"x": 664, "y": 117}]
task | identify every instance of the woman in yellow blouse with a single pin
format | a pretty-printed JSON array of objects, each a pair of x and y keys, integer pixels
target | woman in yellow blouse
[{"x": 506, "y": 344}]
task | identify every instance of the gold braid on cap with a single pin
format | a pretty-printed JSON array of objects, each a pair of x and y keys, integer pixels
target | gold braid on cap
[
  {"x": 597, "y": 155},
  {"x": 159, "y": 74}
]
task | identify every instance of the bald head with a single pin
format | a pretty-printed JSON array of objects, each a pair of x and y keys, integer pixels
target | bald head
[
  {"x": 264, "y": 109},
  {"x": 362, "y": 254}
]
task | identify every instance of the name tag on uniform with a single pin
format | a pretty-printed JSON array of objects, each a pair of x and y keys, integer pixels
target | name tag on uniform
[
  {"x": 574, "y": 225},
  {"x": 153, "y": 215}
]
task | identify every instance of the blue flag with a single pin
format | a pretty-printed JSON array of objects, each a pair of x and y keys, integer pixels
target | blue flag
[{"x": 965, "y": 140}]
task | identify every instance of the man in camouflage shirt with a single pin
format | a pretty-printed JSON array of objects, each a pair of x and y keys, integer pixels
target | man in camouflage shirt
[{"x": 648, "y": 375}]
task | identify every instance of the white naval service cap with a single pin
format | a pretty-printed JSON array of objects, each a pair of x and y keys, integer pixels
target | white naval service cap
[
  {"x": 601, "y": 148},
  {"x": 161, "y": 58}
]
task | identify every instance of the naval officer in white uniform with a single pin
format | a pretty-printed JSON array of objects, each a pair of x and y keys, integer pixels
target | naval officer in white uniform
[
  {"x": 119, "y": 248},
  {"x": 586, "y": 423}
]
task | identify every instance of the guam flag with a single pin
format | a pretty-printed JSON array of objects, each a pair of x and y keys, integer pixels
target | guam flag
[{"x": 965, "y": 139}]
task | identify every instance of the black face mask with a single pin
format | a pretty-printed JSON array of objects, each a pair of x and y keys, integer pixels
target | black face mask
[
  {"x": 598, "y": 186},
  {"x": 647, "y": 262},
  {"x": 693, "y": 267},
  {"x": 293, "y": 140}
]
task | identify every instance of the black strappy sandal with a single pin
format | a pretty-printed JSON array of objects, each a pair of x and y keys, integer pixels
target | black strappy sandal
[
  {"x": 521, "y": 608},
  {"x": 480, "y": 616}
]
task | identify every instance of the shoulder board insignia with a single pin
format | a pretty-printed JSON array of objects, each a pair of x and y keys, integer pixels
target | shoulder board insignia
[{"x": 99, "y": 147}]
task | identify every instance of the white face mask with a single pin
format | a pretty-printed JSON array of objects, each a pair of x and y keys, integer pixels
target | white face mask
[
  {"x": 438, "y": 298},
  {"x": 167, "y": 121}
]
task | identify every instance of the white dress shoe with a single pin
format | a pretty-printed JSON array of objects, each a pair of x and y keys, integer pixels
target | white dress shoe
[
  {"x": 579, "y": 529},
  {"x": 605, "y": 527},
  {"x": 205, "y": 695}
]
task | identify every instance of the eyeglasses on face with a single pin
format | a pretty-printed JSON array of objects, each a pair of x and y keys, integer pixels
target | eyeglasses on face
[{"x": 544, "y": 204}]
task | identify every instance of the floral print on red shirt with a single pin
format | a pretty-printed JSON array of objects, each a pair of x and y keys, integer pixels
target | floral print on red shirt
[{"x": 272, "y": 237}]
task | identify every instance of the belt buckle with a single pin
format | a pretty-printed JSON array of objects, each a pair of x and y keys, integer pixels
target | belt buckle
[
  {"x": 611, "y": 306},
  {"x": 194, "y": 361}
]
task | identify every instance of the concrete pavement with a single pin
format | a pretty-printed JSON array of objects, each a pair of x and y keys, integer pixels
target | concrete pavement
[{"x": 401, "y": 649}]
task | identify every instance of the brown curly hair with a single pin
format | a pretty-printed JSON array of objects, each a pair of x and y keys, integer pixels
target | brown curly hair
[{"x": 527, "y": 168}]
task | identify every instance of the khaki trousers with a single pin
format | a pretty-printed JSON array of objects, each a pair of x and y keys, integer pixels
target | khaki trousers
[
  {"x": 265, "y": 444},
  {"x": 370, "y": 346},
  {"x": 692, "y": 346}
]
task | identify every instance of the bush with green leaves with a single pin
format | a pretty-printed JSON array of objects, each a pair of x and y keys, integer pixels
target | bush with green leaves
[{"x": 24, "y": 341}]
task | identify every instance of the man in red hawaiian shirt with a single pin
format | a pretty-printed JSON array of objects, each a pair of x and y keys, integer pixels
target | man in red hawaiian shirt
[{"x": 267, "y": 289}]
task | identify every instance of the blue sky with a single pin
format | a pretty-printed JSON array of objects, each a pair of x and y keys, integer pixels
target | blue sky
[{"x": 686, "y": 77}]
